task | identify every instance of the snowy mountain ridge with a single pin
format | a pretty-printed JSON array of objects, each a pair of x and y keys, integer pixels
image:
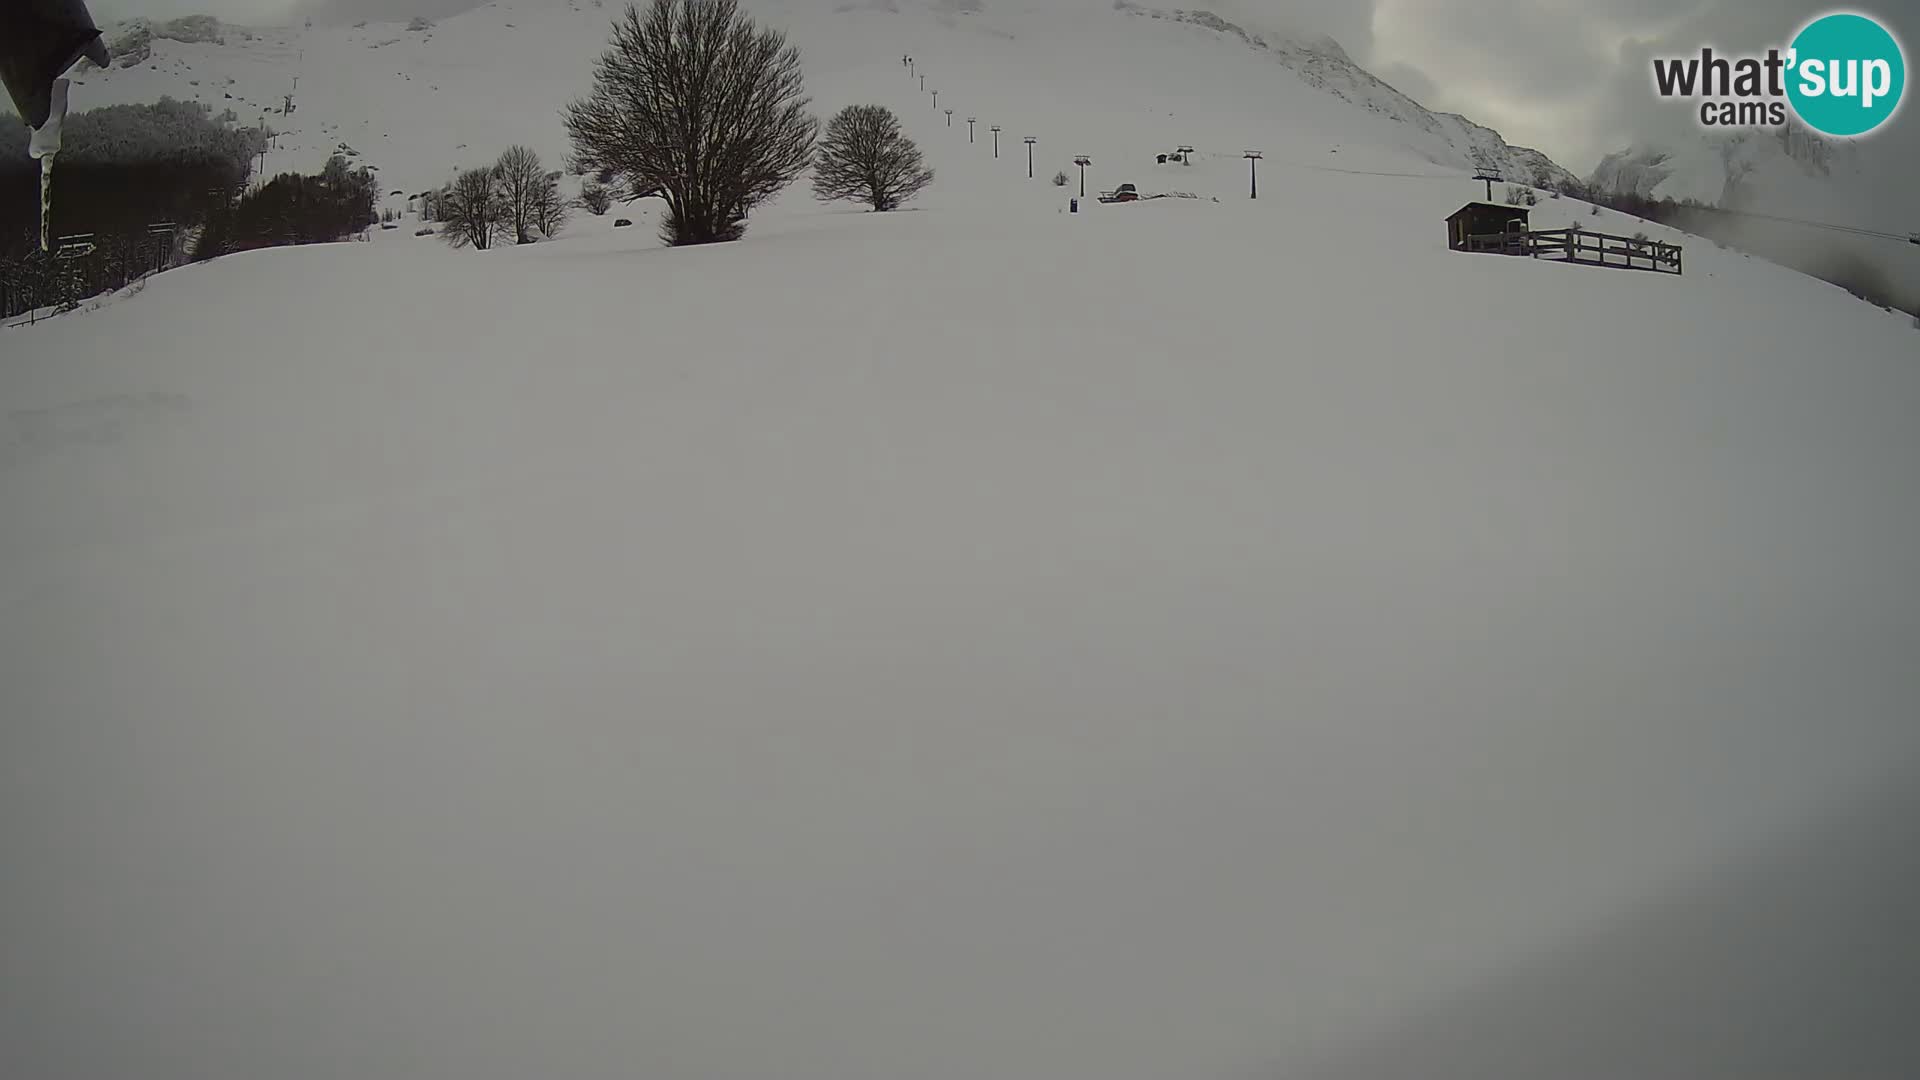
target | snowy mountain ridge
[
  {"x": 1733, "y": 170},
  {"x": 1321, "y": 62},
  {"x": 1794, "y": 194},
  {"x": 176, "y": 59}
]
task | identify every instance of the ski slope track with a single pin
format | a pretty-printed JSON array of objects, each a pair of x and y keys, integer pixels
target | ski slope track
[{"x": 1226, "y": 640}]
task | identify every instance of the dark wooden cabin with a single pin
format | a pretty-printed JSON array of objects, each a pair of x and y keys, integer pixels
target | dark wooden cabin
[{"x": 1487, "y": 226}]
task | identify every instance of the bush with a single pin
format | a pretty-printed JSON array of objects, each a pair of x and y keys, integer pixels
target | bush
[
  {"x": 696, "y": 66},
  {"x": 417, "y": 24},
  {"x": 864, "y": 157},
  {"x": 1061, "y": 179},
  {"x": 596, "y": 199}
]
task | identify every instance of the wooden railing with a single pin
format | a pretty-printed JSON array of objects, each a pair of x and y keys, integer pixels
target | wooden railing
[
  {"x": 1506, "y": 243},
  {"x": 1604, "y": 249}
]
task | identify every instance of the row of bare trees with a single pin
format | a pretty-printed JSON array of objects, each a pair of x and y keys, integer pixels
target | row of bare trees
[
  {"x": 514, "y": 198},
  {"x": 694, "y": 103}
]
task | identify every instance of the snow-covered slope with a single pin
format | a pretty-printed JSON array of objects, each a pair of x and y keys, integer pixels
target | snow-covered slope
[
  {"x": 1190, "y": 638},
  {"x": 1446, "y": 138},
  {"x": 420, "y": 103}
]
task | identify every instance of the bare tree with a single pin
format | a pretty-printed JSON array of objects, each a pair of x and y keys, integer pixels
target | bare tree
[
  {"x": 473, "y": 210},
  {"x": 523, "y": 182},
  {"x": 549, "y": 209},
  {"x": 596, "y": 199},
  {"x": 864, "y": 157},
  {"x": 695, "y": 103}
]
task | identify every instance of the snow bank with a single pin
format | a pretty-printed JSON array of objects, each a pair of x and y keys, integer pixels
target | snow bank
[
  {"x": 929, "y": 645},
  {"x": 1189, "y": 638}
]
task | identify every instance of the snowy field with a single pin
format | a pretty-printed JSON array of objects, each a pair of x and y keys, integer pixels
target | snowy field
[{"x": 1227, "y": 640}]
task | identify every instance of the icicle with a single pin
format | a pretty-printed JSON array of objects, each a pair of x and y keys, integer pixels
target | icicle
[
  {"x": 43, "y": 144},
  {"x": 46, "y": 203}
]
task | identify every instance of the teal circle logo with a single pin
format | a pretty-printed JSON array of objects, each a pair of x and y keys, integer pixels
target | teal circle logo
[{"x": 1848, "y": 75}]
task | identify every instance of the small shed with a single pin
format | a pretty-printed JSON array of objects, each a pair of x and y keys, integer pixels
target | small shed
[{"x": 1488, "y": 226}]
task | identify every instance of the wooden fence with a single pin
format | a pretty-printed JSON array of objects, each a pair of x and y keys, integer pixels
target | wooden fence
[
  {"x": 1583, "y": 247},
  {"x": 1604, "y": 249}
]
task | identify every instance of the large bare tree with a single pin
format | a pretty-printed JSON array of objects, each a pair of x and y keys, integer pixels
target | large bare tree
[
  {"x": 694, "y": 102},
  {"x": 523, "y": 186},
  {"x": 865, "y": 158},
  {"x": 474, "y": 213}
]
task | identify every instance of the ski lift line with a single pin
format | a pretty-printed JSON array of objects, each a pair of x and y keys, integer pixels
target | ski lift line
[{"x": 1878, "y": 234}]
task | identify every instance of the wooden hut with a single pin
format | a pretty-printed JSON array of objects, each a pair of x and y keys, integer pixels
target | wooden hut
[{"x": 1488, "y": 226}]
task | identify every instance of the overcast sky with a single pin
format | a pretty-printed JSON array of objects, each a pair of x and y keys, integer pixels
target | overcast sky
[{"x": 1565, "y": 76}]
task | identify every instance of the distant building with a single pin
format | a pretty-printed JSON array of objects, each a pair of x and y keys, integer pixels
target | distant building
[{"x": 1488, "y": 226}]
